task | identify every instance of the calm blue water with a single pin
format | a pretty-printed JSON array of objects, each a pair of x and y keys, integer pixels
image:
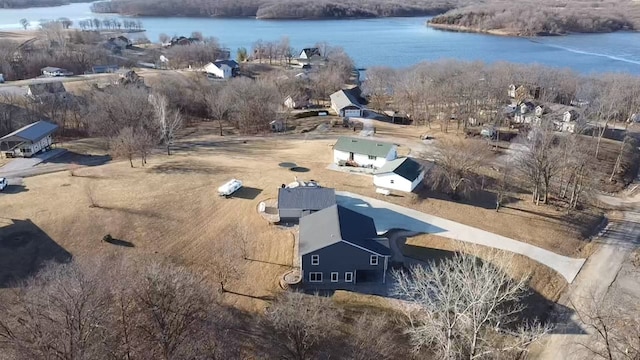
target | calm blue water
[{"x": 394, "y": 42}]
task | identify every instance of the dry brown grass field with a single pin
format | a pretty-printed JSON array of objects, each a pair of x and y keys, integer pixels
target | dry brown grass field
[{"x": 170, "y": 208}]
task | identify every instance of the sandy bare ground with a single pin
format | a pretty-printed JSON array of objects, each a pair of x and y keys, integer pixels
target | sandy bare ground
[{"x": 170, "y": 207}]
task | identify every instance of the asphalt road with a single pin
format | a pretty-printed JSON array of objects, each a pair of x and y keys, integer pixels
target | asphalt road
[{"x": 596, "y": 280}]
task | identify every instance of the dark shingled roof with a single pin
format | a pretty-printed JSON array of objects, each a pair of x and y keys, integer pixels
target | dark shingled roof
[
  {"x": 309, "y": 52},
  {"x": 32, "y": 132},
  {"x": 345, "y": 98},
  {"x": 405, "y": 167},
  {"x": 55, "y": 87},
  {"x": 306, "y": 198},
  {"x": 363, "y": 146},
  {"x": 335, "y": 224}
]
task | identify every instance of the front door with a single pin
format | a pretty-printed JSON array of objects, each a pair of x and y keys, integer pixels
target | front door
[{"x": 351, "y": 156}]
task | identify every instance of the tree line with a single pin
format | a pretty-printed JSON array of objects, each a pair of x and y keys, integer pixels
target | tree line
[
  {"x": 21, "y": 4},
  {"x": 117, "y": 308},
  {"x": 289, "y": 9},
  {"x": 448, "y": 94},
  {"x": 526, "y": 18}
]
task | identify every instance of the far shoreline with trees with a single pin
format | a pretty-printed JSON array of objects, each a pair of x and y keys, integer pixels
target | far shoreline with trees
[{"x": 494, "y": 17}]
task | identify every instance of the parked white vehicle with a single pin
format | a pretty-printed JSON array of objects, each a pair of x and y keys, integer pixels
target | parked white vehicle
[
  {"x": 3, "y": 183},
  {"x": 229, "y": 187}
]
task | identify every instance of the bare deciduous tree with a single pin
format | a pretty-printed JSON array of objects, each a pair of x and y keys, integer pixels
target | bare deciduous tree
[
  {"x": 227, "y": 266},
  {"x": 220, "y": 104},
  {"x": 299, "y": 326},
  {"x": 61, "y": 314},
  {"x": 456, "y": 164},
  {"x": 466, "y": 308},
  {"x": 175, "y": 304},
  {"x": 125, "y": 144},
  {"x": 614, "y": 327},
  {"x": 376, "y": 336},
  {"x": 169, "y": 122},
  {"x": 540, "y": 162}
]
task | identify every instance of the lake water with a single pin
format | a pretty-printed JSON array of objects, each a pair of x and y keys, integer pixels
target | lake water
[{"x": 394, "y": 42}]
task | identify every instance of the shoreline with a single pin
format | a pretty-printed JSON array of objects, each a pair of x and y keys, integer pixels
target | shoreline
[
  {"x": 508, "y": 33},
  {"x": 466, "y": 29}
]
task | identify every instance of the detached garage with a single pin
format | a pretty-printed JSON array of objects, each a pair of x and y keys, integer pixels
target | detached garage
[
  {"x": 402, "y": 174},
  {"x": 29, "y": 140},
  {"x": 345, "y": 103}
]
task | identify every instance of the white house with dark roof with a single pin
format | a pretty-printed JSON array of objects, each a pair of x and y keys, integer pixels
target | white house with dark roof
[
  {"x": 29, "y": 140},
  {"x": 223, "y": 69},
  {"x": 403, "y": 174},
  {"x": 308, "y": 53},
  {"x": 363, "y": 152},
  {"x": 340, "y": 248}
]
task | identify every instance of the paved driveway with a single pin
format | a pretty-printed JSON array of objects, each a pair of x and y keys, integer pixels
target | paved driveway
[
  {"x": 389, "y": 216},
  {"x": 21, "y": 164}
]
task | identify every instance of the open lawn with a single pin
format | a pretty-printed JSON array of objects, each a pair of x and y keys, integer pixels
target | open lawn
[{"x": 170, "y": 208}]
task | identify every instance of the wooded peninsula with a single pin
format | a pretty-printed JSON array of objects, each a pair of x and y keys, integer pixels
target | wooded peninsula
[{"x": 526, "y": 18}]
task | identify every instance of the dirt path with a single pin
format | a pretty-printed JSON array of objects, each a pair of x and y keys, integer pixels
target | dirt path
[{"x": 620, "y": 238}]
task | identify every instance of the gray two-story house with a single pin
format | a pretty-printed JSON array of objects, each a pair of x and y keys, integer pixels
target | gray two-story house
[
  {"x": 340, "y": 248},
  {"x": 294, "y": 203}
]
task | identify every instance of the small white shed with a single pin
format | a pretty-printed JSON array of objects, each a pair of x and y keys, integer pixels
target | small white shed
[{"x": 403, "y": 174}]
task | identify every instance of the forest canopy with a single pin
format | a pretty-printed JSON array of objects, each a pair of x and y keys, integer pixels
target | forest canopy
[{"x": 544, "y": 17}]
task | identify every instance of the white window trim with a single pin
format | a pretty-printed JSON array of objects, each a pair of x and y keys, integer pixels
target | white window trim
[
  {"x": 315, "y": 259},
  {"x": 350, "y": 274},
  {"x": 315, "y": 273},
  {"x": 337, "y": 277},
  {"x": 373, "y": 260}
]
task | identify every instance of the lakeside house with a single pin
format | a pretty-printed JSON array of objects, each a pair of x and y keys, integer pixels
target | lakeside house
[
  {"x": 363, "y": 152},
  {"x": 223, "y": 69},
  {"x": 340, "y": 248},
  {"x": 346, "y": 102}
]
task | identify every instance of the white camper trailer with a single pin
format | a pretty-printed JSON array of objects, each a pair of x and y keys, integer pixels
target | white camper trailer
[{"x": 229, "y": 187}]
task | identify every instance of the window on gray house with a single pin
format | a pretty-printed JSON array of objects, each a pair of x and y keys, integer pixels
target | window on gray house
[
  {"x": 334, "y": 277},
  {"x": 315, "y": 259},
  {"x": 373, "y": 260},
  {"x": 315, "y": 277},
  {"x": 348, "y": 277}
]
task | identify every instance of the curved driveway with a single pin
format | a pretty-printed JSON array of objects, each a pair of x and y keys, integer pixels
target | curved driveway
[{"x": 389, "y": 216}]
